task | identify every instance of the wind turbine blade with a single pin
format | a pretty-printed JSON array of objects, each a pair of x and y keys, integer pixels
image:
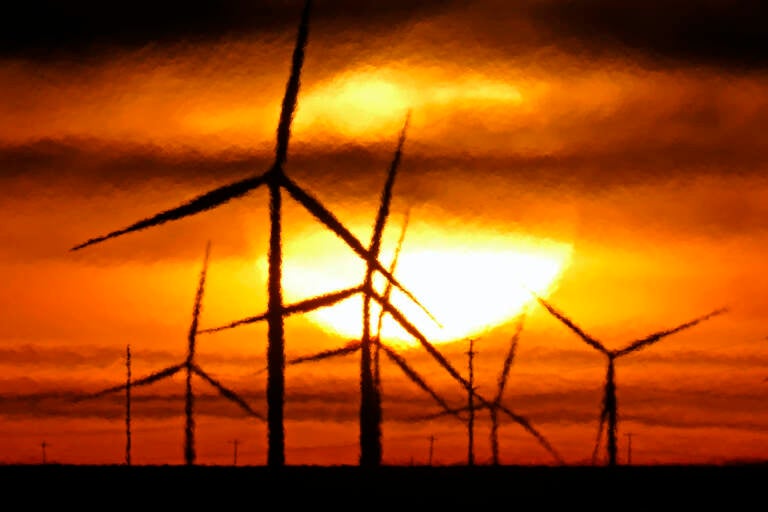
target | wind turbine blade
[
  {"x": 331, "y": 222},
  {"x": 392, "y": 267},
  {"x": 199, "y": 204},
  {"x": 386, "y": 195},
  {"x": 502, "y": 381},
  {"x": 349, "y": 348},
  {"x": 600, "y": 428},
  {"x": 198, "y": 303},
  {"x": 417, "y": 379},
  {"x": 569, "y": 323},
  {"x": 523, "y": 422},
  {"x": 653, "y": 338},
  {"x": 319, "y": 356},
  {"x": 292, "y": 88},
  {"x": 149, "y": 379},
  {"x": 305, "y": 306},
  {"x": 227, "y": 393}
]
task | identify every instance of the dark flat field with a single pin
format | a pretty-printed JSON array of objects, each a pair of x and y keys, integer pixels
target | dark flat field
[{"x": 411, "y": 487}]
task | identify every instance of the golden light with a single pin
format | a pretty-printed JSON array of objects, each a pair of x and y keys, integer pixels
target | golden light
[
  {"x": 469, "y": 285},
  {"x": 371, "y": 103}
]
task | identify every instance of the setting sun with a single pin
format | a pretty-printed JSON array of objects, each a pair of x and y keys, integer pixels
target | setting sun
[{"x": 469, "y": 289}]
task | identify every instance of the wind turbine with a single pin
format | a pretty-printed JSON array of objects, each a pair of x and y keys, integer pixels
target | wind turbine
[
  {"x": 276, "y": 180},
  {"x": 191, "y": 368},
  {"x": 610, "y": 407}
]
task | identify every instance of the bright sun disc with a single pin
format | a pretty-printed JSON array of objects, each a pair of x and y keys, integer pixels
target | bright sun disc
[{"x": 468, "y": 287}]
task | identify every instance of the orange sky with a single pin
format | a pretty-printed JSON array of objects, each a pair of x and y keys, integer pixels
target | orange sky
[{"x": 626, "y": 184}]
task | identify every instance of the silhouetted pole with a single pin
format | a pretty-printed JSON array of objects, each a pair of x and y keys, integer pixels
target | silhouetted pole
[
  {"x": 431, "y": 448},
  {"x": 43, "y": 445},
  {"x": 128, "y": 405},
  {"x": 471, "y": 422},
  {"x": 629, "y": 448},
  {"x": 235, "y": 442},
  {"x": 611, "y": 407},
  {"x": 275, "y": 329}
]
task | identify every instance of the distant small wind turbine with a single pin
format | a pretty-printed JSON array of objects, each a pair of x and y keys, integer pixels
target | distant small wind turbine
[
  {"x": 610, "y": 407},
  {"x": 191, "y": 368}
]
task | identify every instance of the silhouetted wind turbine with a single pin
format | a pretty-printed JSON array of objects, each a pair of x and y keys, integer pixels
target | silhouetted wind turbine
[
  {"x": 191, "y": 368},
  {"x": 610, "y": 408},
  {"x": 276, "y": 180}
]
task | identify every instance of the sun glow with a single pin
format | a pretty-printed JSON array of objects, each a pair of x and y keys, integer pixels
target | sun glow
[
  {"x": 469, "y": 285},
  {"x": 365, "y": 102}
]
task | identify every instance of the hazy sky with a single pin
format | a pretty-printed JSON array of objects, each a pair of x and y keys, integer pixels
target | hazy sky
[{"x": 608, "y": 154}]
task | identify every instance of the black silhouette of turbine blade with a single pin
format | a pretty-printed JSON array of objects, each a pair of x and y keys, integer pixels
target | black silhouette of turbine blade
[
  {"x": 523, "y": 422},
  {"x": 201, "y": 203},
  {"x": 149, "y": 379},
  {"x": 417, "y": 379},
  {"x": 321, "y": 213},
  {"x": 603, "y": 417},
  {"x": 349, "y": 348},
  {"x": 392, "y": 267},
  {"x": 292, "y": 88},
  {"x": 653, "y": 338},
  {"x": 198, "y": 304},
  {"x": 305, "y": 306},
  {"x": 508, "y": 360},
  {"x": 572, "y": 326},
  {"x": 440, "y": 358},
  {"x": 386, "y": 196},
  {"x": 227, "y": 393}
]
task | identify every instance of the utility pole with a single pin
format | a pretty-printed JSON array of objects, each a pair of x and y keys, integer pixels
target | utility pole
[
  {"x": 235, "y": 442},
  {"x": 43, "y": 445},
  {"x": 128, "y": 405},
  {"x": 471, "y": 422},
  {"x": 431, "y": 448},
  {"x": 629, "y": 448}
]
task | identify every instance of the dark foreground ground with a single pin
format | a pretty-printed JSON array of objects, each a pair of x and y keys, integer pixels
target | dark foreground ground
[{"x": 740, "y": 487}]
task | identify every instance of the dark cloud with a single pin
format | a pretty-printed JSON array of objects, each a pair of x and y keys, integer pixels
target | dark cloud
[
  {"x": 719, "y": 33},
  {"x": 48, "y": 29},
  {"x": 655, "y": 33},
  {"x": 693, "y": 408}
]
